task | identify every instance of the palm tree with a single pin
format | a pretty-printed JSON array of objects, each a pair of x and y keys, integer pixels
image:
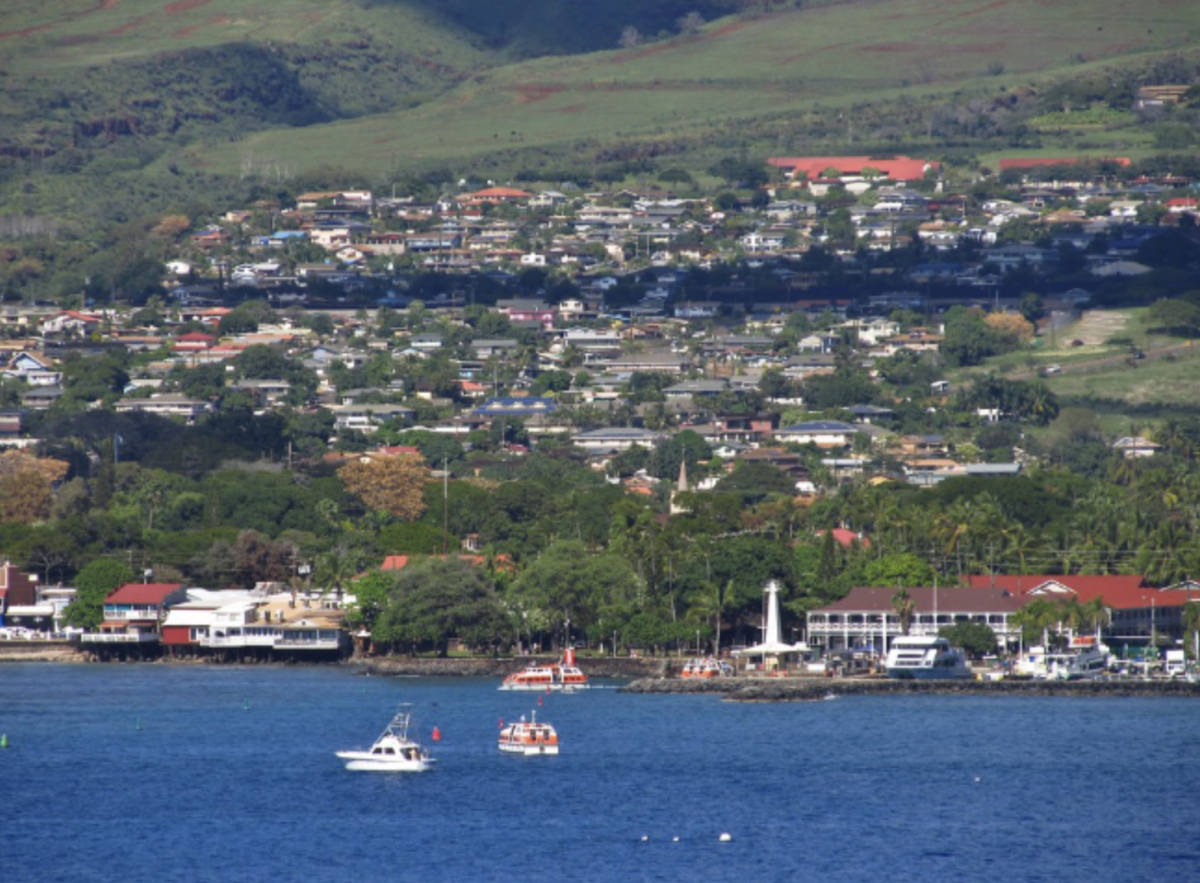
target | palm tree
[
  {"x": 1035, "y": 619},
  {"x": 1191, "y": 625},
  {"x": 712, "y": 602},
  {"x": 1096, "y": 616},
  {"x": 905, "y": 607}
]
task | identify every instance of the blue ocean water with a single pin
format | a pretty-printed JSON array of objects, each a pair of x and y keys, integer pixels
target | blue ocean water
[{"x": 170, "y": 773}]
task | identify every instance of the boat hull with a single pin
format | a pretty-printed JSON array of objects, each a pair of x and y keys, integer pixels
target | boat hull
[
  {"x": 528, "y": 750},
  {"x": 361, "y": 761},
  {"x": 543, "y": 688}
]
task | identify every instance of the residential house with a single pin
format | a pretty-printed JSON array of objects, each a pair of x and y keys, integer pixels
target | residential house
[
  {"x": 71, "y": 322},
  {"x": 822, "y": 433},
  {"x": 615, "y": 438},
  {"x": 32, "y": 369},
  {"x": 18, "y": 595},
  {"x": 165, "y": 405},
  {"x": 134, "y": 612}
]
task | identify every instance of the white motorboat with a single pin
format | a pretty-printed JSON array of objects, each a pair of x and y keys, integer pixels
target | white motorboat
[
  {"x": 926, "y": 657},
  {"x": 393, "y": 752},
  {"x": 564, "y": 675},
  {"x": 529, "y": 739},
  {"x": 1085, "y": 658}
]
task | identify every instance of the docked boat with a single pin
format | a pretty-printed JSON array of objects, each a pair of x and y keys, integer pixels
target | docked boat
[
  {"x": 393, "y": 752},
  {"x": 563, "y": 675},
  {"x": 1084, "y": 659},
  {"x": 926, "y": 657},
  {"x": 706, "y": 667},
  {"x": 529, "y": 738}
]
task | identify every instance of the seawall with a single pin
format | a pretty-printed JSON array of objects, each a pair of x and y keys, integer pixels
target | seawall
[
  {"x": 812, "y": 689},
  {"x": 39, "y": 651},
  {"x": 595, "y": 667}
]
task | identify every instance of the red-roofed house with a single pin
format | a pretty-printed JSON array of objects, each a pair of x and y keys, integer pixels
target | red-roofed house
[
  {"x": 847, "y": 538},
  {"x": 133, "y": 612},
  {"x": 193, "y": 341},
  {"x": 497, "y": 195},
  {"x": 71, "y": 322},
  {"x": 897, "y": 168}
]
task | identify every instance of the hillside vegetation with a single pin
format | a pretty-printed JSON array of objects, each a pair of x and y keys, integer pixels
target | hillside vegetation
[
  {"x": 764, "y": 70},
  {"x": 539, "y": 89}
]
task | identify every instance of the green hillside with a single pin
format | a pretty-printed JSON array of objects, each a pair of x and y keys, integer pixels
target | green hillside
[
  {"x": 877, "y": 52},
  {"x": 222, "y": 86}
]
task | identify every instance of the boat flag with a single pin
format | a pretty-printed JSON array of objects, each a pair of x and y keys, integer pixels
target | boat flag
[{"x": 502, "y": 723}]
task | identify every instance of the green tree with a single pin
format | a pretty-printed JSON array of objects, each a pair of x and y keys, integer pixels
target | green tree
[
  {"x": 899, "y": 569},
  {"x": 433, "y": 601},
  {"x": 95, "y": 582},
  {"x": 976, "y": 638}
]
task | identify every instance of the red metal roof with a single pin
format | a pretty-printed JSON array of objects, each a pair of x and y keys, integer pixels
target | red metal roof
[
  {"x": 898, "y": 168},
  {"x": 1120, "y": 592},
  {"x": 142, "y": 593}
]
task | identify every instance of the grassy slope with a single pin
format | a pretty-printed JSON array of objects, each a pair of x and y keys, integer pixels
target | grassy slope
[
  {"x": 41, "y": 38},
  {"x": 777, "y": 64}
]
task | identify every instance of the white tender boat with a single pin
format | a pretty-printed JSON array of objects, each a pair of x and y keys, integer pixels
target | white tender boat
[
  {"x": 393, "y": 752},
  {"x": 563, "y": 675},
  {"x": 706, "y": 667},
  {"x": 926, "y": 658},
  {"x": 529, "y": 739}
]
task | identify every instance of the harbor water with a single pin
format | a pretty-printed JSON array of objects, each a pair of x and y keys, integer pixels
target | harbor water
[{"x": 206, "y": 773}]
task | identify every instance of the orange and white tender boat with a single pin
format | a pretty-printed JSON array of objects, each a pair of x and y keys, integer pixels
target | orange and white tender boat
[
  {"x": 529, "y": 738},
  {"x": 706, "y": 668},
  {"x": 564, "y": 675}
]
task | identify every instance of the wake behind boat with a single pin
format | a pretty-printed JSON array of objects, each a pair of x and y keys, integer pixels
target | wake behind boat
[
  {"x": 563, "y": 675},
  {"x": 393, "y": 752},
  {"x": 926, "y": 658}
]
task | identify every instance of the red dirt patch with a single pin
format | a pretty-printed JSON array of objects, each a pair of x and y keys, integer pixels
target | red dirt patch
[
  {"x": 184, "y": 6},
  {"x": 527, "y": 93},
  {"x": 998, "y": 4},
  {"x": 215, "y": 21}
]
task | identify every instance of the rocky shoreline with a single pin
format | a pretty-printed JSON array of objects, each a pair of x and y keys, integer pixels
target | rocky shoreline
[
  {"x": 596, "y": 667},
  {"x": 814, "y": 689}
]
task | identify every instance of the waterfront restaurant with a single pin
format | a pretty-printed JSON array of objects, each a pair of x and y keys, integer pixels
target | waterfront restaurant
[{"x": 866, "y": 620}]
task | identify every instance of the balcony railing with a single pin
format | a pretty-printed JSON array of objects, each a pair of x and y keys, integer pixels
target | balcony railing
[{"x": 119, "y": 638}]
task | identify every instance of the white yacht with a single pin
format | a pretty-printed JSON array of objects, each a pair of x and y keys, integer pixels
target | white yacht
[
  {"x": 926, "y": 657},
  {"x": 393, "y": 752}
]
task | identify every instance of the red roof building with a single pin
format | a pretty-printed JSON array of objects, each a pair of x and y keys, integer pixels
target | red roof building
[
  {"x": 140, "y": 605},
  {"x": 497, "y": 195},
  {"x": 897, "y": 168},
  {"x": 1138, "y": 611}
]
